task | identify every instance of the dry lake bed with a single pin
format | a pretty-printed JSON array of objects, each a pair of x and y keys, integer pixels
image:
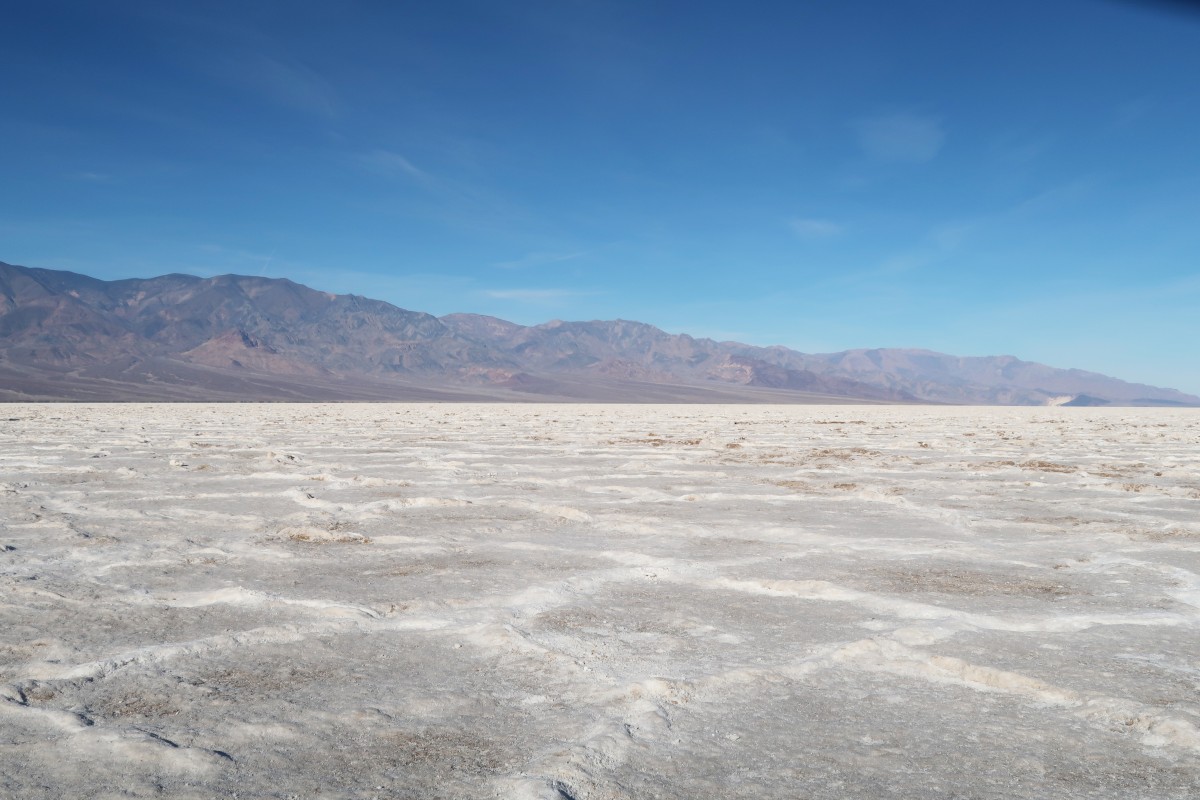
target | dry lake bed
[{"x": 537, "y": 601}]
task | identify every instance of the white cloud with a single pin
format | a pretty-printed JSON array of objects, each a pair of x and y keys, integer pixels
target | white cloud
[
  {"x": 905, "y": 137},
  {"x": 810, "y": 228}
]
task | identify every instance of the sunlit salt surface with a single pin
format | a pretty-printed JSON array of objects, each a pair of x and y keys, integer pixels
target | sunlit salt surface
[{"x": 425, "y": 601}]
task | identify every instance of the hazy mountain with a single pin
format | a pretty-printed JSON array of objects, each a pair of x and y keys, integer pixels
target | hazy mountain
[{"x": 179, "y": 337}]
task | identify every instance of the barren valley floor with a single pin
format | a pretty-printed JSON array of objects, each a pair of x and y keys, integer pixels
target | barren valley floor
[{"x": 523, "y": 601}]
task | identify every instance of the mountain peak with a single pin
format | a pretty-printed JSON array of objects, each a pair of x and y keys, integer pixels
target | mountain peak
[{"x": 69, "y": 336}]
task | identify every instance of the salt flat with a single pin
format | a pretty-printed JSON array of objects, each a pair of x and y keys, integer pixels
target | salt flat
[{"x": 419, "y": 601}]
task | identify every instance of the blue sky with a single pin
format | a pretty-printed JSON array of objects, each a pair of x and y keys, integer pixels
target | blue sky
[{"x": 975, "y": 178}]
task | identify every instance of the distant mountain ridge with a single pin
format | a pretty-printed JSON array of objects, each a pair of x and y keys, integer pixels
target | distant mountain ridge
[{"x": 66, "y": 336}]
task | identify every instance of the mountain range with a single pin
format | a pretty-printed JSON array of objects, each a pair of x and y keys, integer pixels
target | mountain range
[{"x": 66, "y": 336}]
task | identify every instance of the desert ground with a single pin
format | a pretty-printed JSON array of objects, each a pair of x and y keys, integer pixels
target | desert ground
[{"x": 551, "y": 601}]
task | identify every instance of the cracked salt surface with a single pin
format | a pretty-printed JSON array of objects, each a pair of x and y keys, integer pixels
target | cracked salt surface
[{"x": 394, "y": 601}]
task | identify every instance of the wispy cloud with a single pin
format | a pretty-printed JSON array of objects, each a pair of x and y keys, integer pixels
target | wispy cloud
[
  {"x": 534, "y": 295},
  {"x": 1057, "y": 197},
  {"x": 950, "y": 238},
  {"x": 218, "y": 259},
  {"x": 1132, "y": 112},
  {"x": 904, "y": 137},
  {"x": 811, "y": 228},
  {"x": 1018, "y": 152},
  {"x": 91, "y": 177},
  {"x": 939, "y": 243},
  {"x": 284, "y": 82},
  {"x": 388, "y": 162},
  {"x": 468, "y": 202},
  {"x": 234, "y": 48},
  {"x": 538, "y": 259}
]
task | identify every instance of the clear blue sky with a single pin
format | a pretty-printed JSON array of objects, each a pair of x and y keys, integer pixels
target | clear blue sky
[{"x": 971, "y": 177}]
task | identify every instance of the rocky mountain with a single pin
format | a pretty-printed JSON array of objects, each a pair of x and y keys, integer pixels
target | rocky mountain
[{"x": 180, "y": 337}]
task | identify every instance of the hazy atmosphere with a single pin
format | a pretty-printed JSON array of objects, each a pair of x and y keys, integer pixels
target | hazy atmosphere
[{"x": 972, "y": 178}]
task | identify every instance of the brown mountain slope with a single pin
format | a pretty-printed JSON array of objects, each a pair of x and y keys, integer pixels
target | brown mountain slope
[{"x": 70, "y": 336}]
